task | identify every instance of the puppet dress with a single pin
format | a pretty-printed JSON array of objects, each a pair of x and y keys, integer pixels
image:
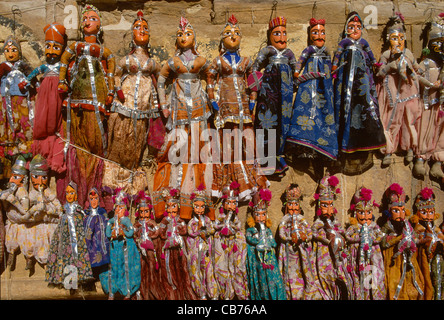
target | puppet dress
[
  {"x": 275, "y": 101},
  {"x": 296, "y": 262},
  {"x": 230, "y": 254},
  {"x": 147, "y": 239},
  {"x": 313, "y": 119},
  {"x": 135, "y": 123},
  {"x": 229, "y": 73},
  {"x": 16, "y": 115},
  {"x": 366, "y": 263},
  {"x": 123, "y": 275},
  {"x": 48, "y": 117},
  {"x": 90, "y": 80},
  {"x": 356, "y": 104},
  {"x": 188, "y": 119},
  {"x": 264, "y": 277},
  {"x": 68, "y": 258}
]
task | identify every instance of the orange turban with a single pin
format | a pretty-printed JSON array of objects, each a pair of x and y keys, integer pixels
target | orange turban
[{"x": 55, "y": 32}]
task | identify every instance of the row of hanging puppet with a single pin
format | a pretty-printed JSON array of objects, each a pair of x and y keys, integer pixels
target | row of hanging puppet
[
  {"x": 88, "y": 108},
  {"x": 162, "y": 256}
]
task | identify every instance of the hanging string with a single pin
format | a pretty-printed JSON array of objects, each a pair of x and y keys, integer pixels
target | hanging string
[
  {"x": 15, "y": 11},
  {"x": 273, "y": 10},
  {"x": 313, "y": 10}
]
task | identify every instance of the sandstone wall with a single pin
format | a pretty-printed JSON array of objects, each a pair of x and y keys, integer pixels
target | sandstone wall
[{"x": 208, "y": 18}]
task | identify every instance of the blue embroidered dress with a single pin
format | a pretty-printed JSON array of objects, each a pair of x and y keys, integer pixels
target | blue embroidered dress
[
  {"x": 264, "y": 278},
  {"x": 124, "y": 273},
  {"x": 275, "y": 101},
  {"x": 313, "y": 119},
  {"x": 356, "y": 103}
]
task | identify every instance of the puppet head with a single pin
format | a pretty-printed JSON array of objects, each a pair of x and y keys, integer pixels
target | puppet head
[
  {"x": 425, "y": 205},
  {"x": 363, "y": 205},
  {"x": 396, "y": 198},
  {"x": 171, "y": 196},
  {"x": 317, "y": 32},
  {"x": 55, "y": 41},
  {"x": 396, "y": 34},
  {"x": 71, "y": 192},
  {"x": 199, "y": 200},
  {"x": 231, "y": 35},
  {"x": 38, "y": 168},
  {"x": 185, "y": 35},
  {"x": 93, "y": 198},
  {"x": 293, "y": 197},
  {"x": 277, "y": 33},
  {"x": 91, "y": 21},
  {"x": 19, "y": 176},
  {"x": 354, "y": 26},
  {"x": 12, "y": 49},
  {"x": 141, "y": 31},
  {"x": 327, "y": 193},
  {"x": 144, "y": 206}
]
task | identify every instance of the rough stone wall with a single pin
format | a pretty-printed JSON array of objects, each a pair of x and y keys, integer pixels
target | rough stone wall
[{"x": 208, "y": 18}]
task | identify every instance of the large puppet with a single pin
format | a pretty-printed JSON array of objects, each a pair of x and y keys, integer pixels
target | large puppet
[
  {"x": 275, "y": 98},
  {"x": 229, "y": 94},
  {"x": 200, "y": 248},
  {"x": 16, "y": 108},
  {"x": 365, "y": 261},
  {"x": 313, "y": 127},
  {"x": 124, "y": 273},
  {"x": 430, "y": 129},
  {"x": 87, "y": 74},
  {"x": 356, "y": 104},
  {"x": 230, "y": 248},
  {"x": 398, "y": 92},
  {"x": 48, "y": 105},
  {"x": 296, "y": 258},
  {"x": 134, "y": 118},
  {"x": 403, "y": 277},
  {"x": 264, "y": 277},
  {"x": 183, "y": 162},
  {"x": 430, "y": 243}
]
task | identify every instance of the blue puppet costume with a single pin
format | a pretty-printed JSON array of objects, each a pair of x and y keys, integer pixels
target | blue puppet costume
[
  {"x": 356, "y": 104},
  {"x": 313, "y": 120},
  {"x": 275, "y": 98}
]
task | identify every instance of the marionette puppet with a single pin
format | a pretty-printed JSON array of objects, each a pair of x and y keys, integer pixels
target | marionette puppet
[
  {"x": 200, "y": 248},
  {"x": 234, "y": 103},
  {"x": 147, "y": 239},
  {"x": 230, "y": 247},
  {"x": 356, "y": 102},
  {"x": 16, "y": 107},
  {"x": 87, "y": 76},
  {"x": 95, "y": 222},
  {"x": 124, "y": 269},
  {"x": 296, "y": 257},
  {"x": 44, "y": 207},
  {"x": 173, "y": 230},
  {"x": 69, "y": 264},
  {"x": 365, "y": 260},
  {"x": 275, "y": 96},
  {"x": 329, "y": 242},
  {"x": 182, "y": 162},
  {"x": 48, "y": 104},
  {"x": 264, "y": 277},
  {"x": 134, "y": 122},
  {"x": 403, "y": 277},
  {"x": 398, "y": 92},
  {"x": 313, "y": 127},
  {"x": 430, "y": 243},
  {"x": 15, "y": 202},
  {"x": 430, "y": 146}
]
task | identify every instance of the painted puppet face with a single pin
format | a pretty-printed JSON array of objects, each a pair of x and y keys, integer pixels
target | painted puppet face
[
  {"x": 426, "y": 214},
  {"x": 39, "y": 182},
  {"x": 119, "y": 210},
  {"x": 230, "y": 205},
  {"x": 327, "y": 208},
  {"x": 144, "y": 212},
  {"x": 12, "y": 53},
  {"x": 53, "y": 51},
  {"x": 172, "y": 208},
  {"x": 317, "y": 35},
  {"x": 141, "y": 35},
  {"x": 17, "y": 179},
  {"x": 364, "y": 216},
  {"x": 293, "y": 207},
  {"x": 71, "y": 194},
  {"x": 231, "y": 37},
  {"x": 354, "y": 30},
  {"x": 260, "y": 216},
  {"x": 397, "y": 42},
  {"x": 278, "y": 37},
  {"x": 199, "y": 207},
  {"x": 90, "y": 23},
  {"x": 397, "y": 213},
  {"x": 93, "y": 199},
  {"x": 185, "y": 39}
]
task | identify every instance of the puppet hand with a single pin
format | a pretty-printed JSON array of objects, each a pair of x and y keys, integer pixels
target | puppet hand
[{"x": 120, "y": 95}]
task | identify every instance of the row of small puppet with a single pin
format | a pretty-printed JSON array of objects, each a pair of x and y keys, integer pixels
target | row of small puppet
[{"x": 204, "y": 259}]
